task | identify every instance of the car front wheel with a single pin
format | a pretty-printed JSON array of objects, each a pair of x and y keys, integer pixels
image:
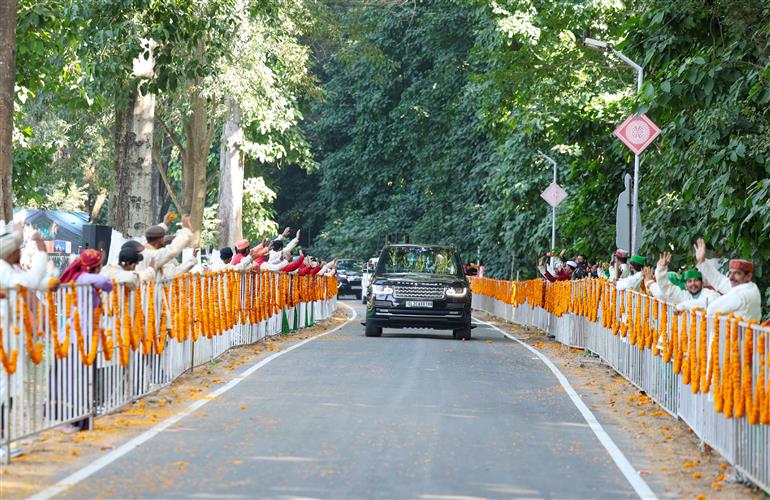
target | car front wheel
[
  {"x": 463, "y": 333},
  {"x": 372, "y": 330}
]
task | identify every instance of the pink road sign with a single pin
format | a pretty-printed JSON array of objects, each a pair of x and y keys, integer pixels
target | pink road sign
[
  {"x": 553, "y": 195},
  {"x": 637, "y": 132}
]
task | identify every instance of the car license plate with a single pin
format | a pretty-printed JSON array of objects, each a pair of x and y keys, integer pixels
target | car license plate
[{"x": 419, "y": 303}]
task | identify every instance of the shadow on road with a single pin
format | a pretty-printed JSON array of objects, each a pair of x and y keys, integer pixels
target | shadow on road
[{"x": 402, "y": 335}]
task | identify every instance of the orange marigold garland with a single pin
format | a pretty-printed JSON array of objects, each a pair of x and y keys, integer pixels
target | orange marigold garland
[
  {"x": 727, "y": 372},
  {"x": 699, "y": 379},
  {"x": 761, "y": 396},
  {"x": 712, "y": 374},
  {"x": 9, "y": 362},
  {"x": 151, "y": 332},
  {"x": 735, "y": 358},
  {"x": 746, "y": 375},
  {"x": 673, "y": 346},
  {"x": 662, "y": 332},
  {"x": 159, "y": 339},
  {"x": 34, "y": 349}
]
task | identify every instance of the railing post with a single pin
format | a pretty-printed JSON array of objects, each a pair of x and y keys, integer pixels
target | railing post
[{"x": 6, "y": 414}]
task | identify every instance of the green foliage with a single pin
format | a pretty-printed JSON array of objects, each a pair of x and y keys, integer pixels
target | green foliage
[
  {"x": 258, "y": 215},
  {"x": 210, "y": 228},
  {"x": 75, "y": 70},
  {"x": 432, "y": 133},
  {"x": 62, "y": 196}
]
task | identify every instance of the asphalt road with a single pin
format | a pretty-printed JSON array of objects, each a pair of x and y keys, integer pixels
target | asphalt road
[{"x": 408, "y": 415}]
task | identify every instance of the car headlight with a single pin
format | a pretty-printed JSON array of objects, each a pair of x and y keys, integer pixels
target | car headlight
[
  {"x": 382, "y": 289},
  {"x": 456, "y": 291}
]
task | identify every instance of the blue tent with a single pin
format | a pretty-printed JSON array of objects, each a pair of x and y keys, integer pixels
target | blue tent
[{"x": 58, "y": 226}]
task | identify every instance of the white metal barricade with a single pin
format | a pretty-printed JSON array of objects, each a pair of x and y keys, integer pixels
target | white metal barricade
[
  {"x": 745, "y": 446},
  {"x": 49, "y": 383}
]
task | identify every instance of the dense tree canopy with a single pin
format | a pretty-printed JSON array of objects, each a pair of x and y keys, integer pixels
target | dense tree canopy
[{"x": 433, "y": 118}]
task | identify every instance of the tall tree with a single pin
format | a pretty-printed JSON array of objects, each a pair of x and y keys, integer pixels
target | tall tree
[
  {"x": 7, "y": 97},
  {"x": 133, "y": 207},
  {"x": 231, "y": 175}
]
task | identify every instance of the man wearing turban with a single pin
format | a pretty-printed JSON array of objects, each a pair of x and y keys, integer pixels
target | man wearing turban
[
  {"x": 694, "y": 294},
  {"x": 85, "y": 271},
  {"x": 161, "y": 256},
  {"x": 242, "y": 248},
  {"x": 11, "y": 275},
  {"x": 634, "y": 281},
  {"x": 740, "y": 294}
]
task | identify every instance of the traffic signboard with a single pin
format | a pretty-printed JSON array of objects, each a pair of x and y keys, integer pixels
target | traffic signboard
[
  {"x": 637, "y": 132},
  {"x": 553, "y": 195}
]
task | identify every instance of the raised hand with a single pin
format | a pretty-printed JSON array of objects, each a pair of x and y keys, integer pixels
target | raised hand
[
  {"x": 700, "y": 250},
  {"x": 297, "y": 236},
  {"x": 169, "y": 218},
  {"x": 664, "y": 260}
]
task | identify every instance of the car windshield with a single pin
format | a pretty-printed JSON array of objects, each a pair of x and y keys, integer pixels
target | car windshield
[{"x": 419, "y": 259}]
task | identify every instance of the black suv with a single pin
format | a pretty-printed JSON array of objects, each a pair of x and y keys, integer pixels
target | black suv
[
  {"x": 349, "y": 278},
  {"x": 419, "y": 286}
]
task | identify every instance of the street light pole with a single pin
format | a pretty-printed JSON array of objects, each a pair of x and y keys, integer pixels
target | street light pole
[
  {"x": 553, "y": 209},
  {"x": 604, "y": 47}
]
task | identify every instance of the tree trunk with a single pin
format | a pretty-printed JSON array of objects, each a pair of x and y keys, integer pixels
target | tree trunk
[
  {"x": 231, "y": 176},
  {"x": 132, "y": 207},
  {"x": 196, "y": 152},
  {"x": 7, "y": 93}
]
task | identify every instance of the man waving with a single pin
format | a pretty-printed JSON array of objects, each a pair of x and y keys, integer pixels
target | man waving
[{"x": 740, "y": 294}]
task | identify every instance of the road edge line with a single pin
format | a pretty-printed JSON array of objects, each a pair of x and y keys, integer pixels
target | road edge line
[
  {"x": 94, "y": 467},
  {"x": 636, "y": 481}
]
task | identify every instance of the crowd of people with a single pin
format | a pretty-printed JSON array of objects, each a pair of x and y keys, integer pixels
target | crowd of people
[
  {"x": 155, "y": 257},
  {"x": 702, "y": 286}
]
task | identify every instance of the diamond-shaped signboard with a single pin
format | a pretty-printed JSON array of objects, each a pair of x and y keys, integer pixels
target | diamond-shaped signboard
[
  {"x": 637, "y": 132},
  {"x": 553, "y": 195}
]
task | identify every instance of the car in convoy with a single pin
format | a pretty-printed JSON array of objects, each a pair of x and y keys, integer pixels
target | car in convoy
[
  {"x": 349, "y": 278},
  {"x": 366, "y": 277},
  {"x": 419, "y": 286}
]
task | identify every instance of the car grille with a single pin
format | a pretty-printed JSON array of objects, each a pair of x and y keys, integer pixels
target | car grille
[{"x": 419, "y": 291}]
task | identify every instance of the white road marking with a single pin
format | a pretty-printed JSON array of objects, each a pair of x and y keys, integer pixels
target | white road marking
[
  {"x": 131, "y": 445},
  {"x": 632, "y": 476}
]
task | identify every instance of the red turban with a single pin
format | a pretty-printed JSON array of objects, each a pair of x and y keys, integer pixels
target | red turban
[
  {"x": 88, "y": 259},
  {"x": 741, "y": 265}
]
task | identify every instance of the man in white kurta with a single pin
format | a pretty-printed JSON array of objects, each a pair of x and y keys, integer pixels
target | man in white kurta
[
  {"x": 161, "y": 256},
  {"x": 693, "y": 296},
  {"x": 741, "y": 295},
  {"x": 634, "y": 280},
  {"x": 620, "y": 269},
  {"x": 11, "y": 274},
  {"x": 125, "y": 272}
]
